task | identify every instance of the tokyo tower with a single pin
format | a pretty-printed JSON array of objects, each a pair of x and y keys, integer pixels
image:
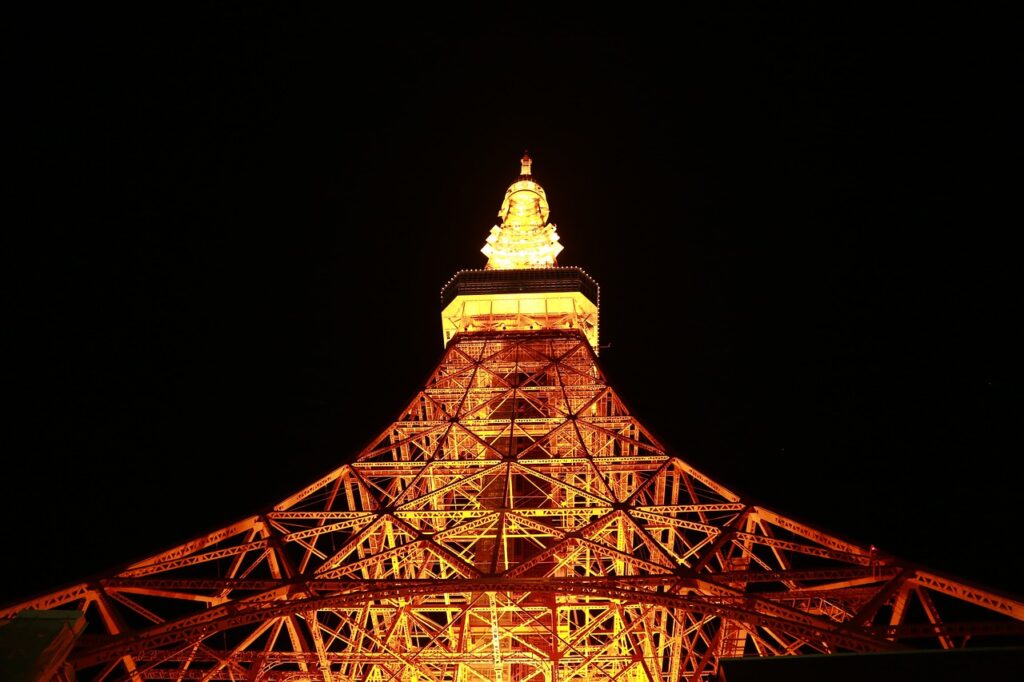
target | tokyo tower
[{"x": 515, "y": 523}]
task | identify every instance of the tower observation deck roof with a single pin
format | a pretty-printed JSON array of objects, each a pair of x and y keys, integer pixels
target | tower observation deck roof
[{"x": 534, "y": 280}]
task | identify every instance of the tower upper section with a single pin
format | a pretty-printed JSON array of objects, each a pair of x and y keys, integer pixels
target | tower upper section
[
  {"x": 521, "y": 288},
  {"x": 524, "y": 238}
]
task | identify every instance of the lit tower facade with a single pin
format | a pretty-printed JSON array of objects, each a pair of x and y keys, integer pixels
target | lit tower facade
[{"x": 515, "y": 523}]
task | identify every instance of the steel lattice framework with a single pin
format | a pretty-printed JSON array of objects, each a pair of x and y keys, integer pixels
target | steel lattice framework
[{"x": 515, "y": 523}]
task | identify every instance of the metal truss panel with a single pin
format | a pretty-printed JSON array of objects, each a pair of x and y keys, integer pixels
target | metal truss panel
[{"x": 516, "y": 523}]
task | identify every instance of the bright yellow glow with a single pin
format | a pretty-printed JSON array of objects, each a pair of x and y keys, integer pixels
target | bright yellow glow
[
  {"x": 525, "y": 238},
  {"x": 520, "y": 312}
]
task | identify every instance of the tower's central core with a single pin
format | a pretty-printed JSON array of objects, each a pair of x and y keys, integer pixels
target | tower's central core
[{"x": 522, "y": 287}]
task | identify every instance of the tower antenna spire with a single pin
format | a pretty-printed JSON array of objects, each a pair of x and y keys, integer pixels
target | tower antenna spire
[{"x": 523, "y": 237}]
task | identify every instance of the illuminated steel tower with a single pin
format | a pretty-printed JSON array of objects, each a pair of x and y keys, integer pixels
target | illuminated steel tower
[{"x": 515, "y": 523}]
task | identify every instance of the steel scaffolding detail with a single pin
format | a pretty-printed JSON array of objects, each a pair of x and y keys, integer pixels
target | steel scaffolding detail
[{"x": 515, "y": 523}]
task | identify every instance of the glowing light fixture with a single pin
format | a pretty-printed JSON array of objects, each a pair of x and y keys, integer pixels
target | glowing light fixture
[
  {"x": 524, "y": 238},
  {"x": 522, "y": 288}
]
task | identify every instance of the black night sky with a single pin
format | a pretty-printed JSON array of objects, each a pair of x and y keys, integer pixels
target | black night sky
[{"x": 228, "y": 229}]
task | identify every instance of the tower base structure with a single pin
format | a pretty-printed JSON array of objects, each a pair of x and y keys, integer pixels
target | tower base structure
[{"x": 515, "y": 523}]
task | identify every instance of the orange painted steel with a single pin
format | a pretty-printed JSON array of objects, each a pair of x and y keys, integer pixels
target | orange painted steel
[{"x": 515, "y": 523}]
